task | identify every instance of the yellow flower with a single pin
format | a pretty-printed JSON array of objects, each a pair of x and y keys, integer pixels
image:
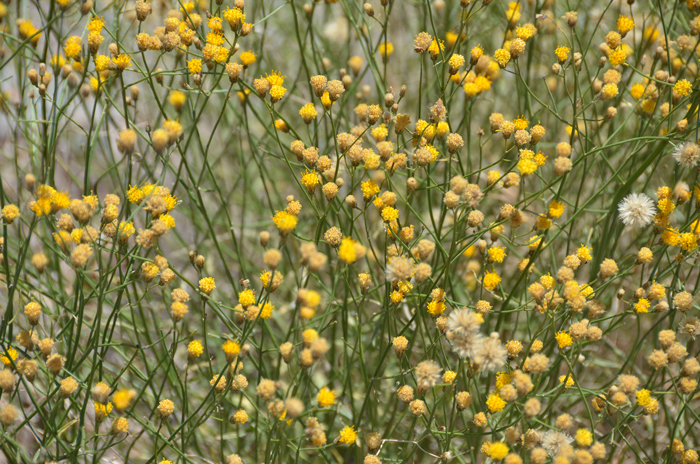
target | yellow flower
[
  {"x": 207, "y": 285},
  {"x": 194, "y": 66},
  {"x": 683, "y": 87},
  {"x": 564, "y": 340},
  {"x": 502, "y": 57},
  {"x": 688, "y": 241},
  {"x": 96, "y": 24},
  {"x": 643, "y": 397},
  {"x": 325, "y": 397},
  {"x": 562, "y": 53},
  {"x": 436, "y": 307},
  {"x": 309, "y": 180},
  {"x": 126, "y": 230},
  {"x": 670, "y": 237},
  {"x": 10, "y": 213},
  {"x": 496, "y": 254},
  {"x": 72, "y": 47},
  {"x": 495, "y": 403},
  {"x": 642, "y": 306},
  {"x": 385, "y": 49},
  {"x": 556, "y": 209},
  {"x": 617, "y": 57},
  {"x": 380, "y": 132},
  {"x": 609, "y": 91},
  {"x": 348, "y": 435},
  {"x": 277, "y": 92},
  {"x": 168, "y": 220},
  {"x": 194, "y": 349},
  {"x": 234, "y": 16},
  {"x": 624, "y": 25},
  {"x": 496, "y": 451},
  {"x": 177, "y": 99},
  {"x": 215, "y": 24},
  {"x": 527, "y": 164},
  {"x": 584, "y": 253},
  {"x": 584, "y": 437},
  {"x": 369, "y": 189},
  {"x": 491, "y": 280},
  {"x": 10, "y": 355},
  {"x": 122, "y": 61},
  {"x": 246, "y": 297},
  {"x": 266, "y": 311},
  {"x": 102, "y": 411},
  {"x": 567, "y": 380},
  {"x": 346, "y": 250},
  {"x": 240, "y": 417},
  {"x": 308, "y": 112},
  {"x": 231, "y": 349},
  {"x": 285, "y": 222},
  {"x": 436, "y": 47},
  {"x": 122, "y": 398},
  {"x": 215, "y": 38},
  {"x": 275, "y": 78},
  {"x": 390, "y": 214},
  {"x": 637, "y": 90},
  {"x": 525, "y": 32},
  {"x": 248, "y": 58},
  {"x": 396, "y": 297}
]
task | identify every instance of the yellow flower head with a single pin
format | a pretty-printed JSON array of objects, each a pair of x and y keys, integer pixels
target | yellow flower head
[
  {"x": 194, "y": 349},
  {"x": 584, "y": 253},
  {"x": 101, "y": 63},
  {"x": 285, "y": 222},
  {"x": 72, "y": 47},
  {"x": 96, "y": 24},
  {"x": 496, "y": 451},
  {"x": 347, "y": 251},
  {"x": 234, "y": 16},
  {"x": 385, "y": 49},
  {"x": 617, "y": 56},
  {"x": 369, "y": 189},
  {"x": 248, "y": 58},
  {"x": 495, "y": 403},
  {"x": 556, "y": 209},
  {"x": 275, "y": 78},
  {"x": 683, "y": 87},
  {"x": 390, "y": 214},
  {"x": 624, "y": 25},
  {"x": 491, "y": 280},
  {"x": 502, "y": 57},
  {"x": 309, "y": 180},
  {"x": 584, "y": 437},
  {"x": 10, "y": 356},
  {"x": 122, "y": 61},
  {"x": 496, "y": 254},
  {"x": 348, "y": 435},
  {"x": 308, "y": 112},
  {"x": 567, "y": 380},
  {"x": 642, "y": 306},
  {"x": 564, "y": 340},
  {"x": 194, "y": 66},
  {"x": 325, "y": 397},
  {"x": 562, "y": 53},
  {"x": 207, "y": 285}
]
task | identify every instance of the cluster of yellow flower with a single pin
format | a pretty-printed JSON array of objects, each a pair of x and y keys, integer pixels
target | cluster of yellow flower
[{"x": 387, "y": 263}]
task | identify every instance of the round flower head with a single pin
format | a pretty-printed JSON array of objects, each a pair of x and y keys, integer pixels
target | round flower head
[
  {"x": 687, "y": 154},
  {"x": 348, "y": 435},
  {"x": 636, "y": 210}
]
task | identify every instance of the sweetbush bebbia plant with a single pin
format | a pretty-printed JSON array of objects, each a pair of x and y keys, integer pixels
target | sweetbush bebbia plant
[{"x": 305, "y": 231}]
